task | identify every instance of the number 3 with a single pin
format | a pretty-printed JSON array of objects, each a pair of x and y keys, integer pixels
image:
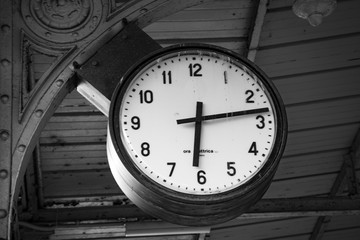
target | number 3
[{"x": 262, "y": 122}]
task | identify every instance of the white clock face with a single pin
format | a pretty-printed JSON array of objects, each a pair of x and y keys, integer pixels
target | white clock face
[{"x": 197, "y": 122}]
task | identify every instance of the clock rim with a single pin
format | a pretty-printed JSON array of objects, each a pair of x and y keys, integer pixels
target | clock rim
[{"x": 145, "y": 185}]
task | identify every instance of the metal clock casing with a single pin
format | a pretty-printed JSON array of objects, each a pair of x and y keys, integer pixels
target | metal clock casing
[{"x": 147, "y": 146}]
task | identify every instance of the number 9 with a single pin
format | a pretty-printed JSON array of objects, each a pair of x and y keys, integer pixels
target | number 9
[{"x": 136, "y": 122}]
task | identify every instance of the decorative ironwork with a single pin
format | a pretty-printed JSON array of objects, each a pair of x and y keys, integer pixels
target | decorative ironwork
[{"x": 62, "y": 21}]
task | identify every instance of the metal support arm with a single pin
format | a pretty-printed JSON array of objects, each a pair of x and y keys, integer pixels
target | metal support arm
[{"x": 100, "y": 75}]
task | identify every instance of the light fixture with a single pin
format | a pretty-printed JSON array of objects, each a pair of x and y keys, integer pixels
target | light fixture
[{"x": 313, "y": 10}]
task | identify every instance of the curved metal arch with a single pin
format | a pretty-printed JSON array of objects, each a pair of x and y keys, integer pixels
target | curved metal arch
[{"x": 60, "y": 81}]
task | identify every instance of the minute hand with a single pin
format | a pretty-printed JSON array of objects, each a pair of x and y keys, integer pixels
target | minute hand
[{"x": 223, "y": 115}]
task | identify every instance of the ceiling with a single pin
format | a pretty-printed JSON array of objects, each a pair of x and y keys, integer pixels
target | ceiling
[{"x": 69, "y": 191}]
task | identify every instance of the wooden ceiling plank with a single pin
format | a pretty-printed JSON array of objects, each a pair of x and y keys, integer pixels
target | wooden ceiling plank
[
  {"x": 80, "y": 184},
  {"x": 300, "y": 187},
  {"x": 346, "y": 233},
  {"x": 51, "y": 126},
  {"x": 77, "y": 118},
  {"x": 319, "y": 139},
  {"x": 203, "y": 35},
  {"x": 223, "y": 5},
  {"x": 284, "y": 27},
  {"x": 199, "y": 26},
  {"x": 320, "y": 114},
  {"x": 159, "y": 228},
  {"x": 310, "y": 164},
  {"x": 75, "y": 164},
  {"x": 280, "y": 229},
  {"x": 190, "y": 14},
  {"x": 343, "y": 222},
  {"x": 310, "y": 56},
  {"x": 320, "y": 86},
  {"x": 280, "y": 4}
]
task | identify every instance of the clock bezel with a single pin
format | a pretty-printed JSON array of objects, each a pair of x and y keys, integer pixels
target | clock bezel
[{"x": 145, "y": 187}]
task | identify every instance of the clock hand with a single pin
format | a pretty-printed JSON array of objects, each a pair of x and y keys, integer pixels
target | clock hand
[
  {"x": 198, "y": 120},
  {"x": 223, "y": 115}
]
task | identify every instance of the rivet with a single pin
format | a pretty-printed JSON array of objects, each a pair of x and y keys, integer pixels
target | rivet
[
  {"x": 47, "y": 34},
  {"x": 95, "y": 18},
  {"x": 5, "y": 28},
  {"x": 5, "y": 62},
  {"x": 59, "y": 82},
  {"x": 21, "y": 148},
  {"x": 3, "y": 173},
  {"x": 28, "y": 17},
  {"x": 75, "y": 34},
  {"x": 4, "y": 135},
  {"x": 39, "y": 113},
  {"x": 95, "y": 63},
  {"x": 3, "y": 213},
  {"x": 4, "y": 98}
]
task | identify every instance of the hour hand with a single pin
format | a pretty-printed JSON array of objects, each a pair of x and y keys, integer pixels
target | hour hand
[
  {"x": 223, "y": 115},
  {"x": 198, "y": 120}
]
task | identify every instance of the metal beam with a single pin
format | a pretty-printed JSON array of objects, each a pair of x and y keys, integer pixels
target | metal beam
[
  {"x": 6, "y": 115},
  {"x": 118, "y": 229},
  {"x": 257, "y": 28},
  {"x": 283, "y": 207},
  {"x": 304, "y": 207},
  {"x": 320, "y": 227},
  {"x": 355, "y": 149},
  {"x": 347, "y": 170},
  {"x": 352, "y": 184}
]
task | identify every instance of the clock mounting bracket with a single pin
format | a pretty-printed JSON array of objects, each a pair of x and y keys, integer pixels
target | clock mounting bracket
[{"x": 101, "y": 73}]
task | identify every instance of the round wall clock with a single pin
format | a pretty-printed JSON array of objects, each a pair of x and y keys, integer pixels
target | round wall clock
[{"x": 195, "y": 134}]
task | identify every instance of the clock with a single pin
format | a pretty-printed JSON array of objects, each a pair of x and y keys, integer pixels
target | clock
[{"x": 195, "y": 134}]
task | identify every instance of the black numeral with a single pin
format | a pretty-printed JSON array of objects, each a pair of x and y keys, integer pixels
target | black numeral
[
  {"x": 146, "y": 96},
  {"x": 145, "y": 149},
  {"x": 172, "y": 164},
  {"x": 201, "y": 177},
  {"x": 231, "y": 169},
  {"x": 249, "y": 98},
  {"x": 135, "y": 120},
  {"x": 167, "y": 77},
  {"x": 261, "y": 124},
  {"x": 253, "y": 149},
  {"x": 195, "y": 70}
]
